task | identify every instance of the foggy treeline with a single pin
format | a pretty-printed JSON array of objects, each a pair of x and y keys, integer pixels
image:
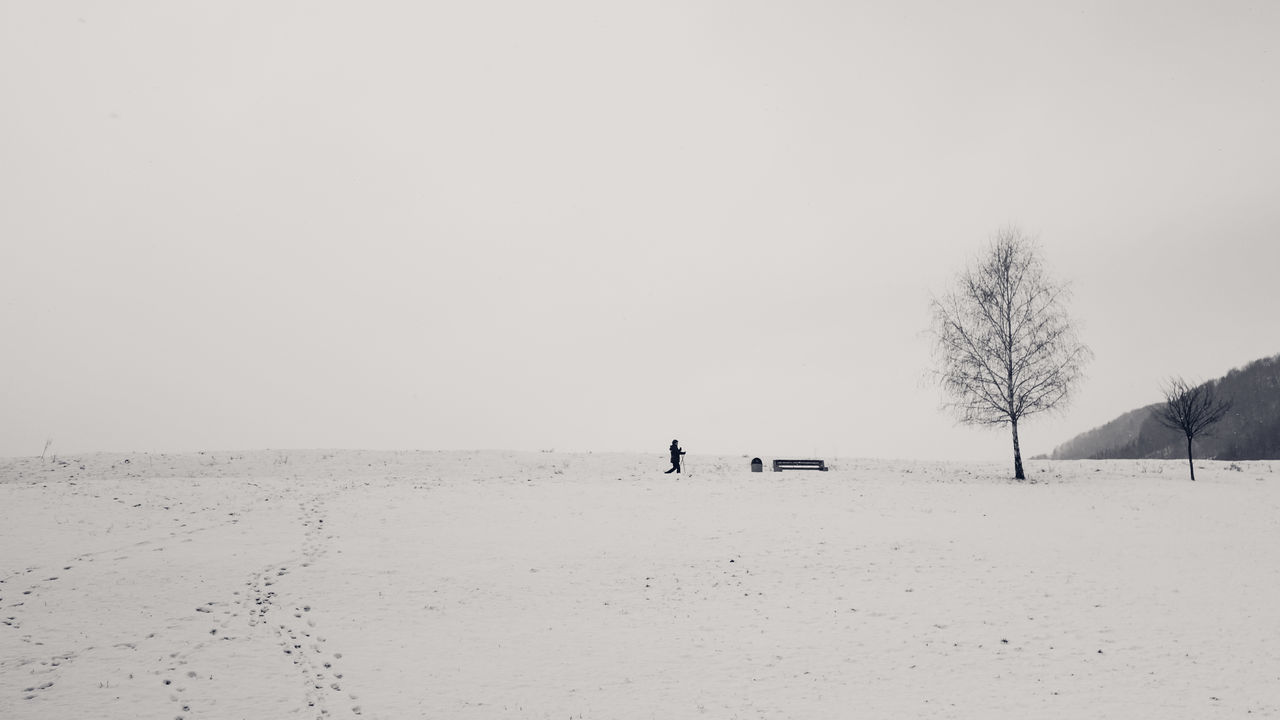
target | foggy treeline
[{"x": 1251, "y": 431}]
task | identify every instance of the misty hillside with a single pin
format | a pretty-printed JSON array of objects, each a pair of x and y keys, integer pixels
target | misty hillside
[{"x": 1251, "y": 431}]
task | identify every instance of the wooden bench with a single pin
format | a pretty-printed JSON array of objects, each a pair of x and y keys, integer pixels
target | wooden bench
[{"x": 780, "y": 465}]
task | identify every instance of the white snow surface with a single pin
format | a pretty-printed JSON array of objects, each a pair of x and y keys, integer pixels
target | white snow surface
[{"x": 342, "y": 584}]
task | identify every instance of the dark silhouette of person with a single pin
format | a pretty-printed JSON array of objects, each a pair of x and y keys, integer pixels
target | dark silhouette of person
[{"x": 676, "y": 452}]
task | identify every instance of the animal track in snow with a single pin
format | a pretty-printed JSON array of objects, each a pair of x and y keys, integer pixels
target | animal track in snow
[{"x": 270, "y": 604}]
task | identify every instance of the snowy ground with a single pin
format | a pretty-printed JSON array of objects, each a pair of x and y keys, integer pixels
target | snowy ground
[{"x": 542, "y": 585}]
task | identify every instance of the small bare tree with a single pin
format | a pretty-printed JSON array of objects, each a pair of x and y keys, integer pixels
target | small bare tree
[
  {"x": 1191, "y": 410},
  {"x": 1004, "y": 346}
]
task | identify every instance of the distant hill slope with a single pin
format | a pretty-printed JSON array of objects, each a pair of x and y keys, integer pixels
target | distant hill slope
[{"x": 1250, "y": 432}]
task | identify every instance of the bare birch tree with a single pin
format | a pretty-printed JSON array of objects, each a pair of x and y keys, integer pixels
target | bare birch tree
[
  {"x": 1004, "y": 345},
  {"x": 1191, "y": 410}
]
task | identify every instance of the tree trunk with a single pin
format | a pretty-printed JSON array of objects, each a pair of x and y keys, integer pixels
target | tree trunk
[
  {"x": 1189, "y": 462},
  {"x": 1017, "y": 454}
]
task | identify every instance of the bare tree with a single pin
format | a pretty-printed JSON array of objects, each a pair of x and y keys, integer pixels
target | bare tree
[
  {"x": 1004, "y": 346},
  {"x": 1191, "y": 410}
]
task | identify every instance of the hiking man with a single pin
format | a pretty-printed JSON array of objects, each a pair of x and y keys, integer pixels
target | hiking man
[{"x": 676, "y": 452}]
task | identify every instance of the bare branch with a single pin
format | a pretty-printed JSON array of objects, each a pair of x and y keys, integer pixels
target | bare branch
[
  {"x": 1191, "y": 411},
  {"x": 1004, "y": 346}
]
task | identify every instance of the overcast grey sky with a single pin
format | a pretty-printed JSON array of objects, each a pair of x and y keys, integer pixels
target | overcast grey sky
[{"x": 598, "y": 226}]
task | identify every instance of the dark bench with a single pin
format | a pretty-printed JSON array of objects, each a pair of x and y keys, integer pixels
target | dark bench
[{"x": 779, "y": 465}]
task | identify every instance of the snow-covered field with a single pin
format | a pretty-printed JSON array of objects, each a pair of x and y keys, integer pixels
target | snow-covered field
[{"x": 315, "y": 584}]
